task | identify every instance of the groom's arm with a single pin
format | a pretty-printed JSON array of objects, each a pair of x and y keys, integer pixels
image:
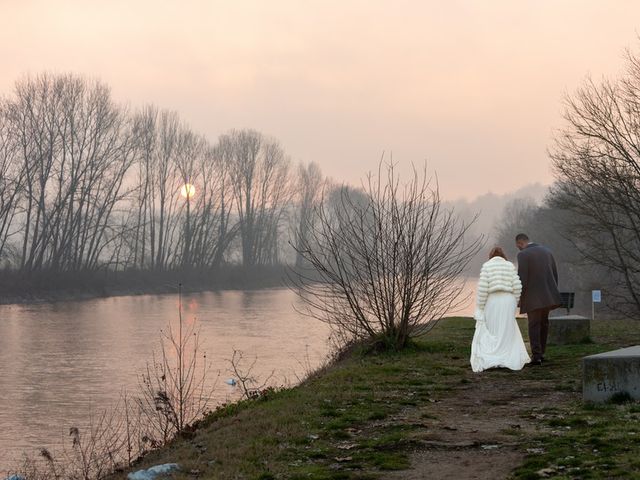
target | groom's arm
[
  {"x": 523, "y": 271},
  {"x": 554, "y": 268}
]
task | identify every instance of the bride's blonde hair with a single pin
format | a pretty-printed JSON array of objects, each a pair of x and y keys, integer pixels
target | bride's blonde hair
[{"x": 497, "y": 252}]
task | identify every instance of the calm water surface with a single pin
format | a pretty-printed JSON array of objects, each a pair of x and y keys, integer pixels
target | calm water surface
[{"x": 61, "y": 362}]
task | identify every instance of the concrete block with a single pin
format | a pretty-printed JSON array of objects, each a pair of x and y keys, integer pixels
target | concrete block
[
  {"x": 568, "y": 329},
  {"x": 608, "y": 373}
]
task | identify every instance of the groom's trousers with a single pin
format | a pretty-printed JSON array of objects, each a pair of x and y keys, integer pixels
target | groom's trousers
[{"x": 538, "y": 331}]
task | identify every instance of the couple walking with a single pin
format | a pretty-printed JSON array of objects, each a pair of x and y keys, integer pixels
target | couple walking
[{"x": 497, "y": 341}]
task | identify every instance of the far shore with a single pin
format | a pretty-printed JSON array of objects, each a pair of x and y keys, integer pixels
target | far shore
[{"x": 49, "y": 287}]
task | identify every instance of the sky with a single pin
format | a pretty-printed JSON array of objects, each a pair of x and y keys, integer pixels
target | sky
[{"x": 474, "y": 88}]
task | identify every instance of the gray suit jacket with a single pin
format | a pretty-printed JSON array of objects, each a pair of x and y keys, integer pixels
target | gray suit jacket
[{"x": 539, "y": 276}]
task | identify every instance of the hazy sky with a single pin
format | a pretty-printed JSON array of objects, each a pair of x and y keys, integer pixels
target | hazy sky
[{"x": 473, "y": 87}]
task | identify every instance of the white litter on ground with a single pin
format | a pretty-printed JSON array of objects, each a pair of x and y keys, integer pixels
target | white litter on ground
[{"x": 154, "y": 472}]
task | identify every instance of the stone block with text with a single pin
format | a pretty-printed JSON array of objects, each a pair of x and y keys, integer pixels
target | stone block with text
[{"x": 610, "y": 373}]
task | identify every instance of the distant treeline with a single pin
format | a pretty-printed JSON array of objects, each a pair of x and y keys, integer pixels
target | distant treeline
[
  {"x": 46, "y": 285},
  {"x": 88, "y": 185}
]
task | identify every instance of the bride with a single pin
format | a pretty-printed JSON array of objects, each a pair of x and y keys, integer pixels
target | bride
[{"x": 497, "y": 341}]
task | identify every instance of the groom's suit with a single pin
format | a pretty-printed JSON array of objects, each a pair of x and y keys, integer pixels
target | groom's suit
[{"x": 539, "y": 276}]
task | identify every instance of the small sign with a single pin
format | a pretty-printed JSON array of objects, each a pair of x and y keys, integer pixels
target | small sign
[{"x": 596, "y": 296}]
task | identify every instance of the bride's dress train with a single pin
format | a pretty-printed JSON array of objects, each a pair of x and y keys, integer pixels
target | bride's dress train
[{"x": 497, "y": 341}]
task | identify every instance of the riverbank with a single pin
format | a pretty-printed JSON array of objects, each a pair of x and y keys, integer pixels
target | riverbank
[
  {"x": 423, "y": 414},
  {"x": 20, "y": 288}
]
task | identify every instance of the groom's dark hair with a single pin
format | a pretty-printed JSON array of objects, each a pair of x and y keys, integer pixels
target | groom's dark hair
[{"x": 522, "y": 236}]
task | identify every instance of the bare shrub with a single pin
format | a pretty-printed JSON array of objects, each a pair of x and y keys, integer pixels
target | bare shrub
[
  {"x": 250, "y": 385},
  {"x": 96, "y": 450},
  {"x": 385, "y": 262},
  {"x": 92, "y": 452},
  {"x": 42, "y": 467},
  {"x": 174, "y": 390}
]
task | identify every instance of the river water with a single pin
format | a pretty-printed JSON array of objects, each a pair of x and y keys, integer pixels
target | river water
[{"x": 62, "y": 362}]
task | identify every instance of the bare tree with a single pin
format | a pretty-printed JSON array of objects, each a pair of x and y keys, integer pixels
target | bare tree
[
  {"x": 33, "y": 114},
  {"x": 165, "y": 193},
  {"x": 189, "y": 159},
  {"x": 212, "y": 230},
  {"x": 309, "y": 188},
  {"x": 518, "y": 217},
  {"x": 596, "y": 162},
  {"x": 385, "y": 266},
  {"x": 145, "y": 131},
  {"x": 74, "y": 147},
  {"x": 11, "y": 182},
  {"x": 259, "y": 178}
]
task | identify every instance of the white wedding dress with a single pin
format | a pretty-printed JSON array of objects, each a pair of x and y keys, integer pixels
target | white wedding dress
[{"x": 497, "y": 341}]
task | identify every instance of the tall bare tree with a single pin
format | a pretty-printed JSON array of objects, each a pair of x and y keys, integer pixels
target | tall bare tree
[
  {"x": 309, "y": 187},
  {"x": 212, "y": 230},
  {"x": 74, "y": 149},
  {"x": 259, "y": 177},
  {"x": 189, "y": 159},
  {"x": 11, "y": 183},
  {"x": 160, "y": 135},
  {"x": 596, "y": 159}
]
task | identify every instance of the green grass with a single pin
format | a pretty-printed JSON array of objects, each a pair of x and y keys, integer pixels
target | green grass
[
  {"x": 587, "y": 442},
  {"x": 340, "y": 424},
  {"x": 583, "y": 440},
  {"x": 349, "y": 422}
]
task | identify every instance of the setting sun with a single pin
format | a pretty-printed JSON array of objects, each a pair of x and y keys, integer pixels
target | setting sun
[{"x": 188, "y": 191}]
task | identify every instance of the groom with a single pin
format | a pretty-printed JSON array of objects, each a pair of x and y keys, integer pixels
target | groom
[{"x": 539, "y": 276}]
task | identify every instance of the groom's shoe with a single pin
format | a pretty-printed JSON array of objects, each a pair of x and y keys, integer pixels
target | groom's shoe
[{"x": 535, "y": 362}]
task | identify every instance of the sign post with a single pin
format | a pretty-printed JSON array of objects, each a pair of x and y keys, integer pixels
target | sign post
[{"x": 596, "y": 297}]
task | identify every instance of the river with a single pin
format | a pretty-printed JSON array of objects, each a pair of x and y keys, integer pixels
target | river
[{"x": 62, "y": 362}]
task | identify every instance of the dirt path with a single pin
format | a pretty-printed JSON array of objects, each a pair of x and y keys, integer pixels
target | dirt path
[{"x": 478, "y": 432}]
